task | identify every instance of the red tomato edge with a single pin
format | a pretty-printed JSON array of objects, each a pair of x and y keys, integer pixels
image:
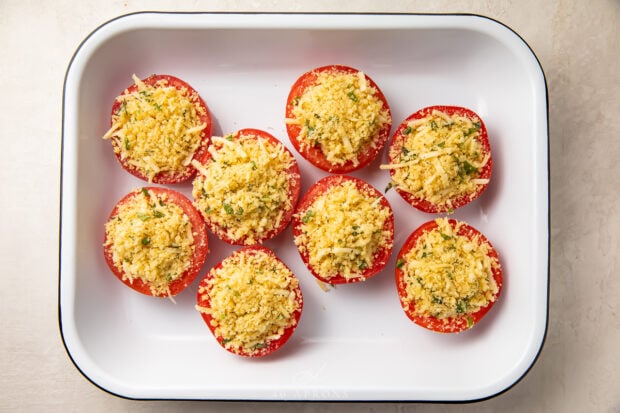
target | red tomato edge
[
  {"x": 201, "y": 245},
  {"x": 273, "y": 345},
  {"x": 293, "y": 193},
  {"x": 452, "y": 324},
  {"x": 167, "y": 177},
  {"x": 314, "y": 155},
  {"x": 398, "y": 140},
  {"x": 319, "y": 187}
]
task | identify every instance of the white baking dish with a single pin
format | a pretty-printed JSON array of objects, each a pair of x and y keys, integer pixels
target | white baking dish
[{"x": 353, "y": 342}]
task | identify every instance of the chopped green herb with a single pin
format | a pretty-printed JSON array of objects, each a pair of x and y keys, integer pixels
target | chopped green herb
[
  {"x": 259, "y": 346},
  {"x": 158, "y": 214},
  {"x": 146, "y": 192},
  {"x": 229, "y": 209},
  {"x": 309, "y": 127},
  {"x": 474, "y": 129},
  {"x": 461, "y": 306},
  {"x": 407, "y": 130},
  {"x": 143, "y": 217},
  {"x": 389, "y": 186},
  {"x": 127, "y": 147},
  {"x": 146, "y": 241},
  {"x": 434, "y": 125},
  {"x": 229, "y": 138},
  {"x": 400, "y": 263},
  {"x": 470, "y": 322},
  {"x": 363, "y": 265},
  {"x": 459, "y": 167},
  {"x": 445, "y": 236},
  {"x": 352, "y": 96},
  {"x": 157, "y": 107},
  {"x": 308, "y": 215},
  {"x": 469, "y": 168}
]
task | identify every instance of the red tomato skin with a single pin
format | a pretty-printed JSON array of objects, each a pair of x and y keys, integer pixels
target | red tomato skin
[
  {"x": 315, "y": 191},
  {"x": 398, "y": 140},
  {"x": 452, "y": 324},
  {"x": 293, "y": 193},
  {"x": 273, "y": 345},
  {"x": 168, "y": 177},
  {"x": 314, "y": 155},
  {"x": 201, "y": 245}
]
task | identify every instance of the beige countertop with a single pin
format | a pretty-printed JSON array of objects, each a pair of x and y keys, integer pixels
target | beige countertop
[{"x": 577, "y": 44}]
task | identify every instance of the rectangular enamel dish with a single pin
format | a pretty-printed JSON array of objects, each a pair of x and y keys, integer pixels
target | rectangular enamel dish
[{"x": 353, "y": 342}]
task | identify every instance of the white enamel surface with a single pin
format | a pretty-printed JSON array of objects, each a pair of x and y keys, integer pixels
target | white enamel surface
[{"x": 353, "y": 342}]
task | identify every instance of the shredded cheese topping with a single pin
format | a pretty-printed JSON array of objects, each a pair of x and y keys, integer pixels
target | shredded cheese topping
[
  {"x": 157, "y": 128},
  {"x": 343, "y": 230},
  {"x": 253, "y": 299},
  {"x": 244, "y": 188},
  {"x": 150, "y": 239},
  {"x": 440, "y": 159},
  {"x": 449, "y": 275},
  {"x": 341, "y": 114}
]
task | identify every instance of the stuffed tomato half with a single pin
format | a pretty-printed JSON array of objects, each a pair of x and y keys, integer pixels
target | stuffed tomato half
[
  {"x": 344, "y": 230},
  {"x": 247, "y": 187},
  {"x": 337, "y": 118},
  {"x": 448, "y": 276},
  {"x": 158, "y": 125},
  {"x": 251, "y": 302},
  {"x": 440, "y": 158},
  {"x": 155, "y": 241}
]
